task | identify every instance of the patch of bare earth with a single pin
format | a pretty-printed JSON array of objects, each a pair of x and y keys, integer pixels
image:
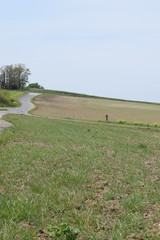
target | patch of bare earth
[{"x": 95, "y": 109}]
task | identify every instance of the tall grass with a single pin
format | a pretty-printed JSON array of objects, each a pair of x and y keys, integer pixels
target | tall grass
[
  {"x": 6, "y": 99},
  {"x": 9, "y": 98}
]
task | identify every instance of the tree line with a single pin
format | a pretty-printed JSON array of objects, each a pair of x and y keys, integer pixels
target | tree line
[{"x": 14, "y": 76}]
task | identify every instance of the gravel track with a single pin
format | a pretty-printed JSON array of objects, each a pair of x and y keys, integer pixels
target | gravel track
[{"x": 26, "y": 106}]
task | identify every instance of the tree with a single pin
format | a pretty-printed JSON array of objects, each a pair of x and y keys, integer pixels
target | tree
[
  {"x": 22, "y": 74},
  {"x": 10, "y": 78},
  {"x": 35, "y": 85},
  {"x": 14, "y": 76},
  {"x": 2, "y": 78}
]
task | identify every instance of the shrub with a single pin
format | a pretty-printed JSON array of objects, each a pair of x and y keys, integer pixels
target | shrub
[
  {"x": 156, "y": 124},
  {"x": 35, "y": 85},
  {"x": 121, "y": 121},
  {"x": 139, "y": 124},
  {"x": 6, "y": 100}
]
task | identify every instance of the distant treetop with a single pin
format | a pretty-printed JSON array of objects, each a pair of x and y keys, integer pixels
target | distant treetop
[{"x": 35, "y": 85}]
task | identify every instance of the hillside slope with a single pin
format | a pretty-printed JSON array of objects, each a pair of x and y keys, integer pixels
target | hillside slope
[{"x": 95, "y": 109}]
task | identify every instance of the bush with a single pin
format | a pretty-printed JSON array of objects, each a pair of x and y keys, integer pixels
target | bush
[
  {"x": 35, "y": 85},
  {"x": 122, "y": 121},
  {"x": 139, "y": 124},
  {"x": 6, "y": 100},
  {"x": 156, "y": 124}
]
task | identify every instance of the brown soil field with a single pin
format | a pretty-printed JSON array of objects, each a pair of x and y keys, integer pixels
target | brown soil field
[{"x": 95, "y": 109}]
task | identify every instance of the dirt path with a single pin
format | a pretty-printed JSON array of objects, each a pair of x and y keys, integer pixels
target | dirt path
[{"x": 26, "y": 106}]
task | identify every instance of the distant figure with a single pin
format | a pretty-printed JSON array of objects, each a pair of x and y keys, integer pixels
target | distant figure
[{"x": 107, "y": 118}]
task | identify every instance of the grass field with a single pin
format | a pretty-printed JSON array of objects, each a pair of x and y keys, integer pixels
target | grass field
[
  {"x": 95, "y": 109},
  {"x": 10, "y": 98},
  {"x": 100, "y": 179}
]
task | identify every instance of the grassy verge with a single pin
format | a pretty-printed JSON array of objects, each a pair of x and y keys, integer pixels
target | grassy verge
[
  {"x": 138, "y": 124},
  {"x": 10, "y": 98},
  {"x": 101, "y": 180}
]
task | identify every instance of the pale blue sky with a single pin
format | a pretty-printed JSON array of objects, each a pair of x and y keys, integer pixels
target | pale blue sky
[{"x": 100, "y": 47}]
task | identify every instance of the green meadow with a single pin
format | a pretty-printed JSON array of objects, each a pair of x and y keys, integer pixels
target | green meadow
[{"x": 102, "y": 180}]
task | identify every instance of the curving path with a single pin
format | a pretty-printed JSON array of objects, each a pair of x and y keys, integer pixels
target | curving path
[{"x": 26, "y": 106}]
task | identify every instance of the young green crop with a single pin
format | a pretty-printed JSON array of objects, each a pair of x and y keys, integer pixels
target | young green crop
[{"x": 102, "y": 180}]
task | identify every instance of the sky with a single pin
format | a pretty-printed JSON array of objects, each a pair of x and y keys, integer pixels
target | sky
[{"x": 98, "y": 47}]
